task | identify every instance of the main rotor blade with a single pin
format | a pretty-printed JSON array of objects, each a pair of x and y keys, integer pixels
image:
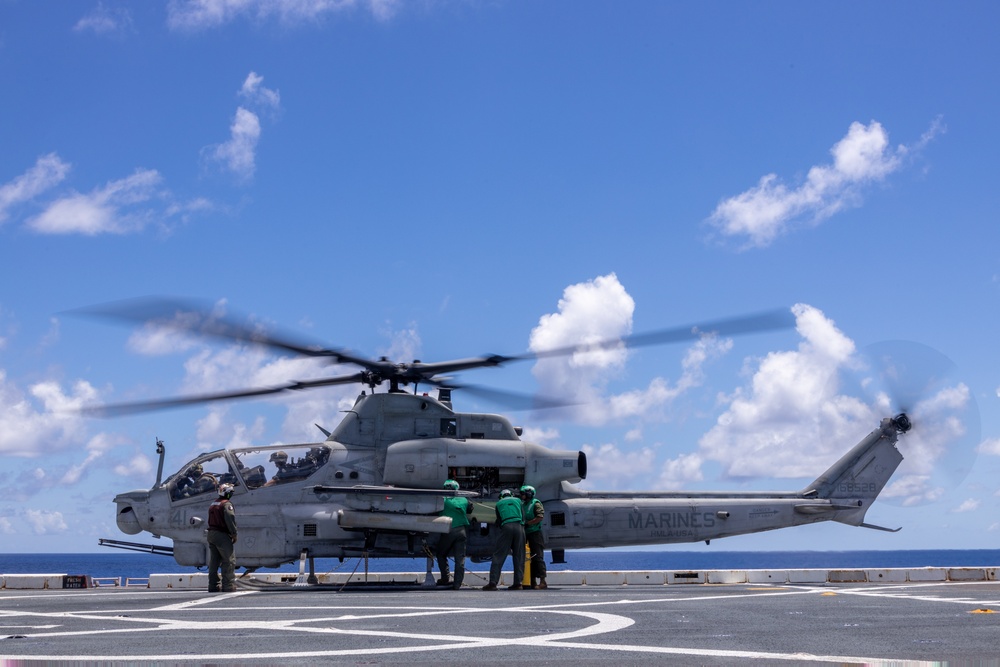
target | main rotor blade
[
  {"x": 512, "y": 400},
  {"x": 138, "y": 407},
  {"x": 771, "y": 320},
  {"x": 199, "y": 317}
]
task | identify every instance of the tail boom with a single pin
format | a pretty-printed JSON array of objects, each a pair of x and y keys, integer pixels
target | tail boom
[{"x": 580, "y": 519}]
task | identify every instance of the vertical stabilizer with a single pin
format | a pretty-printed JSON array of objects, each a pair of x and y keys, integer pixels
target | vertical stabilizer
[{"x": 853, "y": 483}]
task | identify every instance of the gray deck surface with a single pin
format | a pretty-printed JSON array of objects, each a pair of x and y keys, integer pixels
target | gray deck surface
[{"x": 579, "y": 625}]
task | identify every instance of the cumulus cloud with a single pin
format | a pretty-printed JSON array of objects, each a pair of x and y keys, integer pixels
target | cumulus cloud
[
  {"x": 119, "y": 207},
  {"x": 196, "y": 15},
  {"x": 619, "y": 467},
  {"x": 591, "y": 316},
  {"x": 138, "y": 466},
  {"x": 6, "y": 527},
  {"x": 45, "y": 522},
  {"x": 542, "y": 436},
  {"x": 678, "y": 472},
  {"x": 771, "y": 209},
  {"x": 41, "y": 420},
  {"x": 103, "y": 20},
  {"x": 799, "y": 414},
  {"x": 215, "y": 431},
  {"x": 49, "y": 171},
  {"x": 238, "y": 155}
]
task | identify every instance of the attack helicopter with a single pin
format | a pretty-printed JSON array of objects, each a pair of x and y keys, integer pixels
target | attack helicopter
[{"x": 373, "y": 486}]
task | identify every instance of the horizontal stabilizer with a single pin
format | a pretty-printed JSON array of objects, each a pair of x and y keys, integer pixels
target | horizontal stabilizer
[{"x": 874, "y": 527}]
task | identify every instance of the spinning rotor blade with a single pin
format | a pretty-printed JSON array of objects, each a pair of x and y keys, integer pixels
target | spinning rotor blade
[
  {"x": 201, "y": 318},
  {"x": 511, "y": 400},
  {"x": 941, "y": 449},
  {"x": 138, "y": 407},
  {"x": 771, "y": 320},
  {"x": 908, "y": 372}
]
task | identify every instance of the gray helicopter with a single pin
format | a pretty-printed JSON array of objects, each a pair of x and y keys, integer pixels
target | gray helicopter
[{"x": 373, "y": 486}]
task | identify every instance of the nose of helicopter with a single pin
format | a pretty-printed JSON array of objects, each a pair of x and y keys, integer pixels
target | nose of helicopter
[{"x": 126, "y": 517}]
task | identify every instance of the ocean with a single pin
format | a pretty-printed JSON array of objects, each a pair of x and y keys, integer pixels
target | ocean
[{"x": 127, "y": 564}]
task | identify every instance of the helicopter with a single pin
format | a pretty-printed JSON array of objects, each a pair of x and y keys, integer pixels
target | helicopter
[{"x": 373, "y": 487}]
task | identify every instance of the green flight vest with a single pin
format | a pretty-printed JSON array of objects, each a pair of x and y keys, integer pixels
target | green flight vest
[
  {"x": 529, "y": 514},
  {"x": 456, "y": 508},
  {"x": 509, "y": 510}
]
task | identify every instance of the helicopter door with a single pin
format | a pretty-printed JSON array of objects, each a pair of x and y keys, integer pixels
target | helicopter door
[{"x": 433, "y": 465}]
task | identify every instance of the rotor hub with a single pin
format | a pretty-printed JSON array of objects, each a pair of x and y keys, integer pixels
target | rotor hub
[{"x": 902, "y": 422}]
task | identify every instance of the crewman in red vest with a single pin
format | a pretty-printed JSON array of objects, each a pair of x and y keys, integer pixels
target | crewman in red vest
[{"x": 221, "y": 538}]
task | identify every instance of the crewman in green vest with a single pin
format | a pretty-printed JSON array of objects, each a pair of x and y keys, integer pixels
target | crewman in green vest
[
  {"x": 534, "y": 514},
  {"x": 453, "y": 543},
  {"x": 510, "y": 520}
]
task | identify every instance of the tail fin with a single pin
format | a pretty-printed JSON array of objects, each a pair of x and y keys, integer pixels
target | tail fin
[{"x": 852, "y": 484}]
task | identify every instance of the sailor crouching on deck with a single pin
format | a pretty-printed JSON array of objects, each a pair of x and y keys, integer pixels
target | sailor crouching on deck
[{"x": 221, "y": 538}]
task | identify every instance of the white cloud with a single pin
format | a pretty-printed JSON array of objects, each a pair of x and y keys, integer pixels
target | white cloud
[
  {"x": 5, "y": 526},
  {"x": 120, "y": 206},
  {"x": 238, "y": 155},
  {"x": 203, "y": 14},
  {"x": 609, "y": 466},
  {"x": 596, "y": 312},
  {"x": 970, "y": 505},
  {"x": 542, "y": 436},
  {"x": 76, "y": 472},
  {"x": 257, "y": 94},
  {"x": 172, "y": 335},
  {"x": 45, "y": 522},
  {"x": 27, "y": 430},
  {"x": 117, "y": 208},
  {"x": 138, "y": 466},
  {"x": 96, "y": 448},
  {"x": 676, "y": 473},
  {"x": 103, "y": 20},
  {"x": 771, "y": 209},
  {"x": 49, "y": 171},
  {"x": 215, "y": 431},
  {"x": 797, "y": 417},
  {"x": 990, "y": 446},
  {"x": 791, "y": 422}
]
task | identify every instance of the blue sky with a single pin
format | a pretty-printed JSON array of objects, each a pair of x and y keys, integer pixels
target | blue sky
[{"x": 442, "y": 179}]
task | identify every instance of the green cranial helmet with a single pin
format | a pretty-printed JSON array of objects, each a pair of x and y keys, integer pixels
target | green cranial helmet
[
  {"x": 451, "y": 484},
  {"x": 506, "y": 494},
  {"x": 528, "y": 490}
]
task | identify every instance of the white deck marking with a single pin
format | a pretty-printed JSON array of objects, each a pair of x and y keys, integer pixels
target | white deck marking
[{"x": 592, "y": 624}]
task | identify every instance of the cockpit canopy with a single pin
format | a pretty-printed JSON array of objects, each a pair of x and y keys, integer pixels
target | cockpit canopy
[{"x": 247, "y": 468}]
